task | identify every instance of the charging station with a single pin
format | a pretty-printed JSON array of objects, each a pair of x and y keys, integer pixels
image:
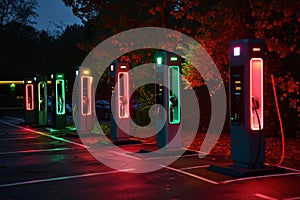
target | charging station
[
  {"x": 85, "y": 100},
  {"x": 246, "y": 94},
  {"x": 29, "y": 115},
  {"x": 168, "y": 74},
  {"x": 58, "y": 101},
  {"x": 119, "y": 77},
  {"x": 42, "y": 95},
  {"x": 247, "y": 103}
]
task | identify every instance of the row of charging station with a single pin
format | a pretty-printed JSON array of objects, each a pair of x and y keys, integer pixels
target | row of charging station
[
  {"x": 36, "y": 100},
  {"x": 245, "y": 92}
]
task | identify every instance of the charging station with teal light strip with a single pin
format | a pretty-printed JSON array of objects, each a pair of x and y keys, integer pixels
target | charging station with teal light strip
[{"x": 168, "y": 95}]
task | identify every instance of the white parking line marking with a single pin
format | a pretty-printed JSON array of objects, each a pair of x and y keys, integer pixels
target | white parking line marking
[
  {"x": 264, "y": 196},
  {"x": 34, "y": 151},
  {"x": 125, "y": 155},
  {"x": 14, "y": 118},
  {"x": 10, "y": 139},
  {"x": 64, "y": 178},
  {"x": 288, "y": 168},
  {"x": 257, "y": 177},
  {"x": 192, "y": 175},
  {"x": 45, "y": 134},
  {"x": 293, "y": 198},
  {"x": 176, "y": 156},
  {"x": 195, "y": 167}
]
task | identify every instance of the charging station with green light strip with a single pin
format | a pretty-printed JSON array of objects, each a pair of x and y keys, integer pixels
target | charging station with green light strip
[
  {"x": 59, "y": 100},
  {"x": 168, "y": 95},
  {"x": 42, "y": 98}
]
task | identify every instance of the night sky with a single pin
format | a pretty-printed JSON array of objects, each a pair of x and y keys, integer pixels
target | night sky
[{"x": 54, "y": 12}]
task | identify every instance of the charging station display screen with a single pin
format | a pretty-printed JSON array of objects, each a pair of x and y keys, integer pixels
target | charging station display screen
[
  {"x": 29, "y": 97},
  {"x": 123, "y": 94},
  {"x": 174, "y": 94},
  {"x": 60, "y": 97},
  {"x": 86, "y": 92},
  {"x": 42, "y": 94},
  {"x": 256, "y": 93},
  {"x": 237, "y": 95}
]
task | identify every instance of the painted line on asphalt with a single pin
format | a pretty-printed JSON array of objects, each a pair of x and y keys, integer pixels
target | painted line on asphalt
[
  {"x": 125, "y": 155},
  {"x": 63, "y": 178},
  {"x": 45, "y": 134},
  {"x": 194, "y": 167},
  {"x": 264, "y": 196},
  {"x": 293, "y": 198},
  {"x": 14, "y": 118},
  {"x": 176, "y": 156},
  {"x": 11, "y": 139},
  {"x": 35, "y": 151},
  {"x": 258, "y": 177},
  {"x": 190, "y": 174},
  {"x": 288, "y": 168}
]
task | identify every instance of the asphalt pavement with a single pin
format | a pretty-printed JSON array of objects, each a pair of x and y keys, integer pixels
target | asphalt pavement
[{"x": 38, "y": 164}]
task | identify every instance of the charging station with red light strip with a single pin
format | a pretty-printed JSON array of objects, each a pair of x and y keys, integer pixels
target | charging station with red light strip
[
  {"x": 247, "y": 103},
  {"x": 120, "y": 87},
  {"x": 246, "y": 95},
  {"x": 84, "y": 100},
  {"x": 29, "y": 115}
]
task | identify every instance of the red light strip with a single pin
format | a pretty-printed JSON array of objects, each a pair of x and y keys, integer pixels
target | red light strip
[
  {"x": 256, "y": 91},
  {"x": 86, "y": 100},
  {"x": 29, "y": 97}
]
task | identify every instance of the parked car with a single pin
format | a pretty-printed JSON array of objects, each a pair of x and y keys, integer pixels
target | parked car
[{"x": 103, "y": 109}]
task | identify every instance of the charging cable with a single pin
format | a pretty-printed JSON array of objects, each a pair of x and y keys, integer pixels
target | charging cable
[{"x": 280, "y": 123}]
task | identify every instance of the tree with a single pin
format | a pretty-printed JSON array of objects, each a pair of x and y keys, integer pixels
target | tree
[
  {"x": 17, "y": 12},
  {"x": 213, "y": 24}
]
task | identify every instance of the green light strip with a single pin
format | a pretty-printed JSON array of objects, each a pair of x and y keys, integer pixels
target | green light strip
[{"x": 174, "y": 94}]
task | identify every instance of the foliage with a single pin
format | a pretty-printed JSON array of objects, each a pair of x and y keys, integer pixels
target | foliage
[
  {"x": 17, "y": 12},
  {"x": 213, "y": 24}
]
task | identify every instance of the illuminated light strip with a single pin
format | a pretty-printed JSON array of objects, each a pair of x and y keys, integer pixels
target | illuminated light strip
[
  {"x": 29, "y": 87},
  {"x": 45, "y": 134},
  {"x": 256, "y": 49},
  {"x": 192, "y": 175},
  {"x": 159, "y": 60},
  {"x": 60, "y": 100},
  {"x": 264, "y": 196},
  {"x": 125, "y": 80},
  {"x": 173, "y": 58},
  {"x": 35, "y": 150},
  {"x": 258, "y": 177},
  {"x": 64, "y": 178},
  {"x": 88, "y": 100},
  {"x": 254, "y": 63},
  {"x": 11, "y": 82},
  {"x": 42, "y": 86}
]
